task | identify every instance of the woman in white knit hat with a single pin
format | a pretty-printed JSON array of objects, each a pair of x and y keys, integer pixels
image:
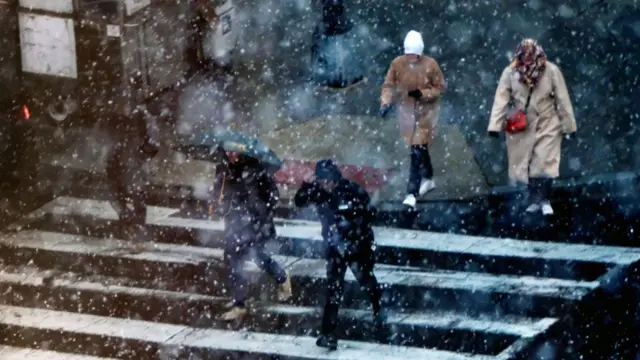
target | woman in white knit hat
[{"x": 416, "y": 83}]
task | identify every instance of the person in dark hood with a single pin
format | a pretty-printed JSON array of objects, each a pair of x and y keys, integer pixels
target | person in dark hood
[
  {"x": 125, "y": 170},
  {"x": 346, "y": 215},
  {"x": 246, "y": 196}
]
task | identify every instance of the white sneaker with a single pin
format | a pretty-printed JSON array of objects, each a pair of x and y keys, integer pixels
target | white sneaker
[
  {"x": 547, "y": 210},
  {"x": 425, "y": 186},
  {"x": 410, "y": 200},
  {"x": 533, "y": 208}
]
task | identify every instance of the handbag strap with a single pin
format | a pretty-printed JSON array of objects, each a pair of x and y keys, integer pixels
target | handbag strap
[{"x": 526, "y": 105}]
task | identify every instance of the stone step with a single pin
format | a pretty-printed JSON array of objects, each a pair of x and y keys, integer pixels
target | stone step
[
  {"x": 102, "y": 296},
  {"x": 191, "y": 267},
  {"x": 16, "y": 353},
  {"x": 142, "y": 340},
  {"x": 609, "y": 218},
  {"x": 427, "y": 250}
]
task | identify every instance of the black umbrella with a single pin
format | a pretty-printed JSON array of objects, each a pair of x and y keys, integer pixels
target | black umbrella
[{"x": 203, "y": 147}]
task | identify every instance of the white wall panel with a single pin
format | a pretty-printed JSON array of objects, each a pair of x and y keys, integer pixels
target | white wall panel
[{"x": 48, "y": 45}]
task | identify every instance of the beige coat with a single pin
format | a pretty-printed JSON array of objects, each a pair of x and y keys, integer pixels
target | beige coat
[
  {"x": 535, "y": 152},
  {"x": 404, "y": 76}
]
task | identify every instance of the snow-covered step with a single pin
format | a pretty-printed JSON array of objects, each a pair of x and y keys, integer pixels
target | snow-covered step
[
  {"x": 135, "y": 339},
  {"x": 445, "y": 330},
  {"x": 16, "y": 353},
  {"x": 394, "y": 246},
  {"x": 201, "y": 268}
]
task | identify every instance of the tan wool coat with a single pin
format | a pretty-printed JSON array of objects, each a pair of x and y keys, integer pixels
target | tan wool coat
[
  {"x": 404, "y": 76},
  {"x": 535, "y": 152}
]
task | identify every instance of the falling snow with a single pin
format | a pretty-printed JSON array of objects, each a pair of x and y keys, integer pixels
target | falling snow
[{"x": 116, "y": 239}]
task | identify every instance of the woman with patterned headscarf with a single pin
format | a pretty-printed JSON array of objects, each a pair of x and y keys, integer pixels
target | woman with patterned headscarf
[{"x": 536, "y": 88}]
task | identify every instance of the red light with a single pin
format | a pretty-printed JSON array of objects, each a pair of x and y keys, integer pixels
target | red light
[{"x": 25, "y": 112}]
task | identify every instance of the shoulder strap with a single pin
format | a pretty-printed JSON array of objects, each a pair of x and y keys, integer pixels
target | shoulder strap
[{"x": 526, "y": 105}]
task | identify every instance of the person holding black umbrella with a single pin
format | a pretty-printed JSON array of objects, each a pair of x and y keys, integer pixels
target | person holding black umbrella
[
  {"x": 346, "y": 216},
  {"x": 246, "y": 195}
]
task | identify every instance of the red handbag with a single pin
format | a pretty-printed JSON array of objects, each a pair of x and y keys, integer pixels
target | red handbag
[{"x": 517, "y": 119}]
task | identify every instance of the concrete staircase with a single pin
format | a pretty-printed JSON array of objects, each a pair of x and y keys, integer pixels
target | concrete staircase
[{"x": 73, "y": 286}]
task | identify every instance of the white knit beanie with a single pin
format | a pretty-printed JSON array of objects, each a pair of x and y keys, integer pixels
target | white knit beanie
[{"x": 413, "y": 43}]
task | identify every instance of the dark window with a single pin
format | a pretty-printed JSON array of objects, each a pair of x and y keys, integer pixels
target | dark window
[{"x": 106, "y": 10}]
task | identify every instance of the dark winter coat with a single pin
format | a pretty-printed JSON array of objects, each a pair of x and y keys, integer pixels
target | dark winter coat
[
  {"x": 346, "y": 213},
  {"x": 248, "y": 202},
  {"x": 126, "y": 174}
]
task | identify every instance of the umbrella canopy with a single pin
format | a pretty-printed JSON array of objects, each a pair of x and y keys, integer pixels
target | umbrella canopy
[{"x": 202, "y": 147}]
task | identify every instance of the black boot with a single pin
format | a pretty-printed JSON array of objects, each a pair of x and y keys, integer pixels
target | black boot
[
  {"x": 533, "y": 198},
  {"x": 380, "y": 331},
  {"x": 380, "y": 319},
  {"x": 544, "y": 189},
  {"x": 327, "y": 341}
]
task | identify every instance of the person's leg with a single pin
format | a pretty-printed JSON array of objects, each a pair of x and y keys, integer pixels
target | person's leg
[
  {"x": 116, "y": 187},
  {"x": 426, "y": 173},
  {"x": 235, "y": 264},
  {"x": 138, "y": 195},
  {"x": 413, "y": 185},
  {"x": 362, "y": 268},
  {"x": 235, "y": 255},
  {"x": 336, "y": 269},
  {"x": 545, "y": 195},
  {"x": 533, "y": 195},
  {"x": 271, "y": 267},
  {"x": 121, "y": 197},
  {"x": 519, "y": 152},
  {"x": 415, "y": 167},
  {"x": 428, "y": 166},
  {"x": 539, "y": 195},
  {"x": 545, "y": 166}
]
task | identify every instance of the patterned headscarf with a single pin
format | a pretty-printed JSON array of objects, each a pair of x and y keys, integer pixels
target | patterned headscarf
[{"x": 529, "y": 73}]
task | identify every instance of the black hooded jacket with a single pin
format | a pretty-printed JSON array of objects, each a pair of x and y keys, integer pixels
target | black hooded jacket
[
  {"x": 346, "y": 213},
  {"x": 248, "y": 201}
]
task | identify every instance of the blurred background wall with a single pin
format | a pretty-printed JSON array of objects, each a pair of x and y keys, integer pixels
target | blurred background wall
[{"x": 594, "y": 43}]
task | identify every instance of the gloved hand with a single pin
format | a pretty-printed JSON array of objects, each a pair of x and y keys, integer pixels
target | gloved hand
[
  {"x": 570, "y": 136},
  {"x": 384, "y": 110},
  {"x": 416, "y": 94},
  {"x": 149, "y": 148},
  {"x": 494, "y": 134},
  {"x": 308, "y": 186}
]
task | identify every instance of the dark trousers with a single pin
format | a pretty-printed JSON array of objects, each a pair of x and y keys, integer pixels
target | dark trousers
[
  {"x": 420, "y": 168},
  {"x": 125, "y": 198},
  {"x": 361, "y": 263},
  {"x": 127, "y": 189},
  {"x": 539, "y": 189},
  {"x": 237, "y": 251}
]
